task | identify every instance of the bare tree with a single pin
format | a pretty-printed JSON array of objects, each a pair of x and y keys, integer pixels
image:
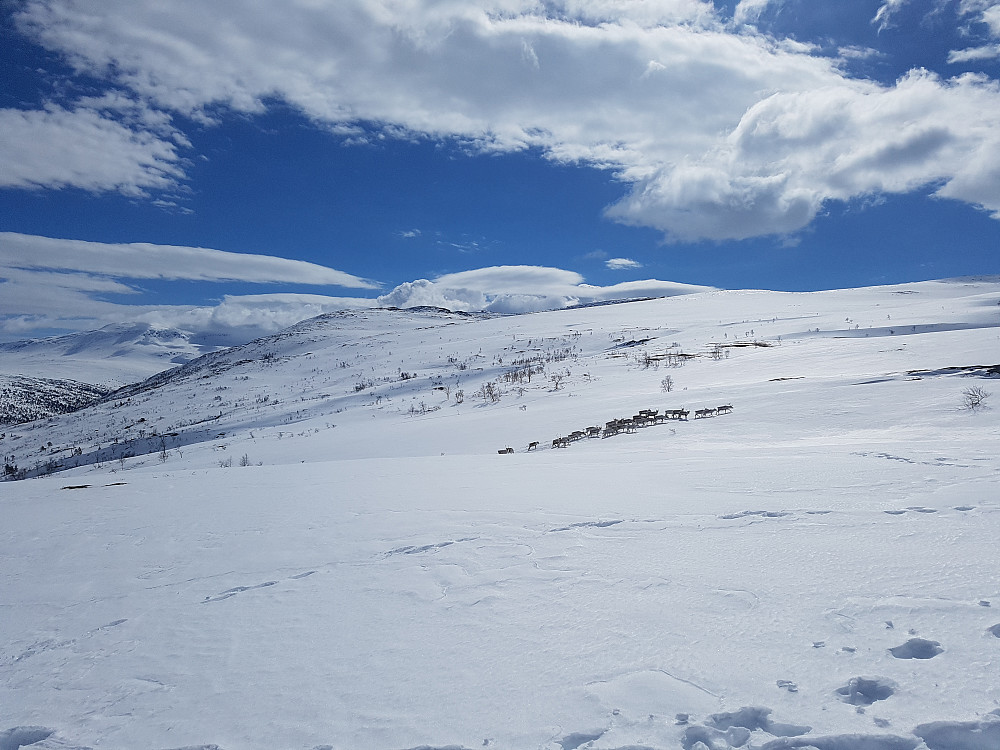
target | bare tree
[
  {"x": 974, "y": 397},
  {"x": 490, "y": 393},
  {"x": 667, "y": 384}
]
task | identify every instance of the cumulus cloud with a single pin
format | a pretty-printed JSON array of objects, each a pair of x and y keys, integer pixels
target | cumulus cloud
[
  {"x": 421, "y": 293},
  {"x": 622, "y": 264},
  {"x": 682, "y": 107},
  {"x": 792, "y": 152},
  {"x": 521, "y": 289},
  {"x": 140, "y": 260}
]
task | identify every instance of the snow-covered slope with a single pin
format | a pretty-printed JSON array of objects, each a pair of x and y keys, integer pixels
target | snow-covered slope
[
  {"x": 310, "y": 542},
  {"x": 112, "y": 356},
  {"x": 25, "y": 399}
]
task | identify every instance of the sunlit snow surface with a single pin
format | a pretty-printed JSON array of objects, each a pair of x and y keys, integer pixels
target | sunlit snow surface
[{"x": 818, "y": 568}]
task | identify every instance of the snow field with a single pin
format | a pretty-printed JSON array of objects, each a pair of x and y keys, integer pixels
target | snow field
[{"x": 392, "y": 582}]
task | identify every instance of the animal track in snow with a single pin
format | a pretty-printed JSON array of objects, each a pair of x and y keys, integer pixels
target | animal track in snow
[
  {"x": 236, "y": 590},
  {"x": 414, "y": 550},
  {"x": 917, "y": 648},
  {"x": 588, "y": 524},
  {"x": 756, "y": 513},
  {"x": 864, "y": 691},
  {"x": 940, "y": 461}
]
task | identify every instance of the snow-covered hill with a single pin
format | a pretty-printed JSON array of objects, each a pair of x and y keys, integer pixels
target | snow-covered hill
[
  {"x": 110, "y": 357},
  {"x": 314, "y": 541},
  {"x": 26, "y": 399}
]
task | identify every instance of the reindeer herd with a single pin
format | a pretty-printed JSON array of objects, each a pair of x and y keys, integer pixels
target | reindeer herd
[{"x": 644, "y": 418}]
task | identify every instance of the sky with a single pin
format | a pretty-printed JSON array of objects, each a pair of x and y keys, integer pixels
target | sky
[{"x": 233, "y": 166}]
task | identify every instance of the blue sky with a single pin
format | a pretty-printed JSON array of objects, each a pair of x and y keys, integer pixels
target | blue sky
[{"x": 234, "y": 167}]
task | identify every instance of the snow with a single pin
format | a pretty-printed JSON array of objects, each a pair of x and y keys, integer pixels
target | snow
[
  {"x": 111, "y": 357},
  {"x": 816, "y": 568}
]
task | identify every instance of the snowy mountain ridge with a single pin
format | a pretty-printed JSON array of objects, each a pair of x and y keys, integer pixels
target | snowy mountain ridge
[
  {"x": 112, "y": 356},
  {"x": 319, "y": 539}
]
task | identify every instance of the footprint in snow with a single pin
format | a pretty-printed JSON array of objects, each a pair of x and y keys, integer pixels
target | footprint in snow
[
  {"x": 16, "y": 737},
  {"x": 864, "y": 691},
  {"x": 917, "y": 648}
]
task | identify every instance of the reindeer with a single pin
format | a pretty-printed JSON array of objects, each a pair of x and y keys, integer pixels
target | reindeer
[
  {"x": 532, "y": 445},
  {"x": 508, "y": 449},
  {"x": 724, "y": 409},
  {"x": 704, "y": 413}
]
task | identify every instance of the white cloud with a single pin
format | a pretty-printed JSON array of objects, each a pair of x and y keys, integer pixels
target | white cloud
[
  {"x": 663, "y": 92},
  {"x": 985, "y": 12},
  {"x": 521, "y": 289},
  {"x": 142, "y": 260},
  {"x": 34, "y": 304},
  {"x": 422, "y": 292},
  {"x": 622, "y": 264},
  {"x": 48, "y": 283},
  {"x": 749, "y": 11},
  {"x": 972, "y": 54},
  {"x": 991, "y": 17},
  {"x": 794, "y": 151},
  {"x": 58, "y": 148},
  {"x": 889, "y": 8},
  {"x": 248, "y": 316}
]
